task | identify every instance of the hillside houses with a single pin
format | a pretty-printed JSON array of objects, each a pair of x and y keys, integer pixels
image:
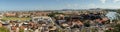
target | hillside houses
[{"x": 10, "y": 14}]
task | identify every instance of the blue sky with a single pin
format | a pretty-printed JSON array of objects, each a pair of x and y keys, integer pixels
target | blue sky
[{"x": 57, "y": 4}]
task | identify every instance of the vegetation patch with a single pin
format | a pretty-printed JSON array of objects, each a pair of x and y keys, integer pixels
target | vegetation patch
[{"x": 16, "y": 18}]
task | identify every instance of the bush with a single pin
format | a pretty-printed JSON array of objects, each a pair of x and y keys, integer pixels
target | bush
[
  {"x": 21, "y": 30},
  {"x": 3, "y": 29}
]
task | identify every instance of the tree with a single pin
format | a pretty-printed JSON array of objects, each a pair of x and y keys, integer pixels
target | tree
[
  {"x": 116, "y": 28},
  {"x": 54, "y": 13}
]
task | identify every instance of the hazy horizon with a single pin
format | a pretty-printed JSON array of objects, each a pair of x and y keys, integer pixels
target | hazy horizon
[{"x": 57, "y": 4}]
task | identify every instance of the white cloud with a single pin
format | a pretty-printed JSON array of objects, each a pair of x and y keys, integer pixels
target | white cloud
[
  {"x": 92, "y": 5},
  {"x": 103, "y": 1},
  {"x": 116, "y": 1}
]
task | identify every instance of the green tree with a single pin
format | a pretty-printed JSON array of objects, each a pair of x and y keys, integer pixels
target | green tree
[
  {"x": 54, "y": 13},
  {"x": 116, "y": 28},
  {"x": 21, "y": 30}
]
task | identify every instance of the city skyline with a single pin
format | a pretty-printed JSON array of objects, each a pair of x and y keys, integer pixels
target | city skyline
[{"x": 57, "y": 4}]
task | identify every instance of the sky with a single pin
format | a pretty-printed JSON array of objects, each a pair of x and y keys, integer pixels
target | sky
[{"x": 57, "y": 4}]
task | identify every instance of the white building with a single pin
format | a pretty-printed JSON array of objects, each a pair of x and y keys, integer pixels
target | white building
[{"x": 43, "y": 18}]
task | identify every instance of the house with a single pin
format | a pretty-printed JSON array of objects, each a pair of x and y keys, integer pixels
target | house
[
  {"x": 10, "y": 14},
  {"x": 25, "y": 15},
  {"x": 1, "y": 24},
  {"x": 1, "y": 15},
  {"x": 41, "y": 13}
]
